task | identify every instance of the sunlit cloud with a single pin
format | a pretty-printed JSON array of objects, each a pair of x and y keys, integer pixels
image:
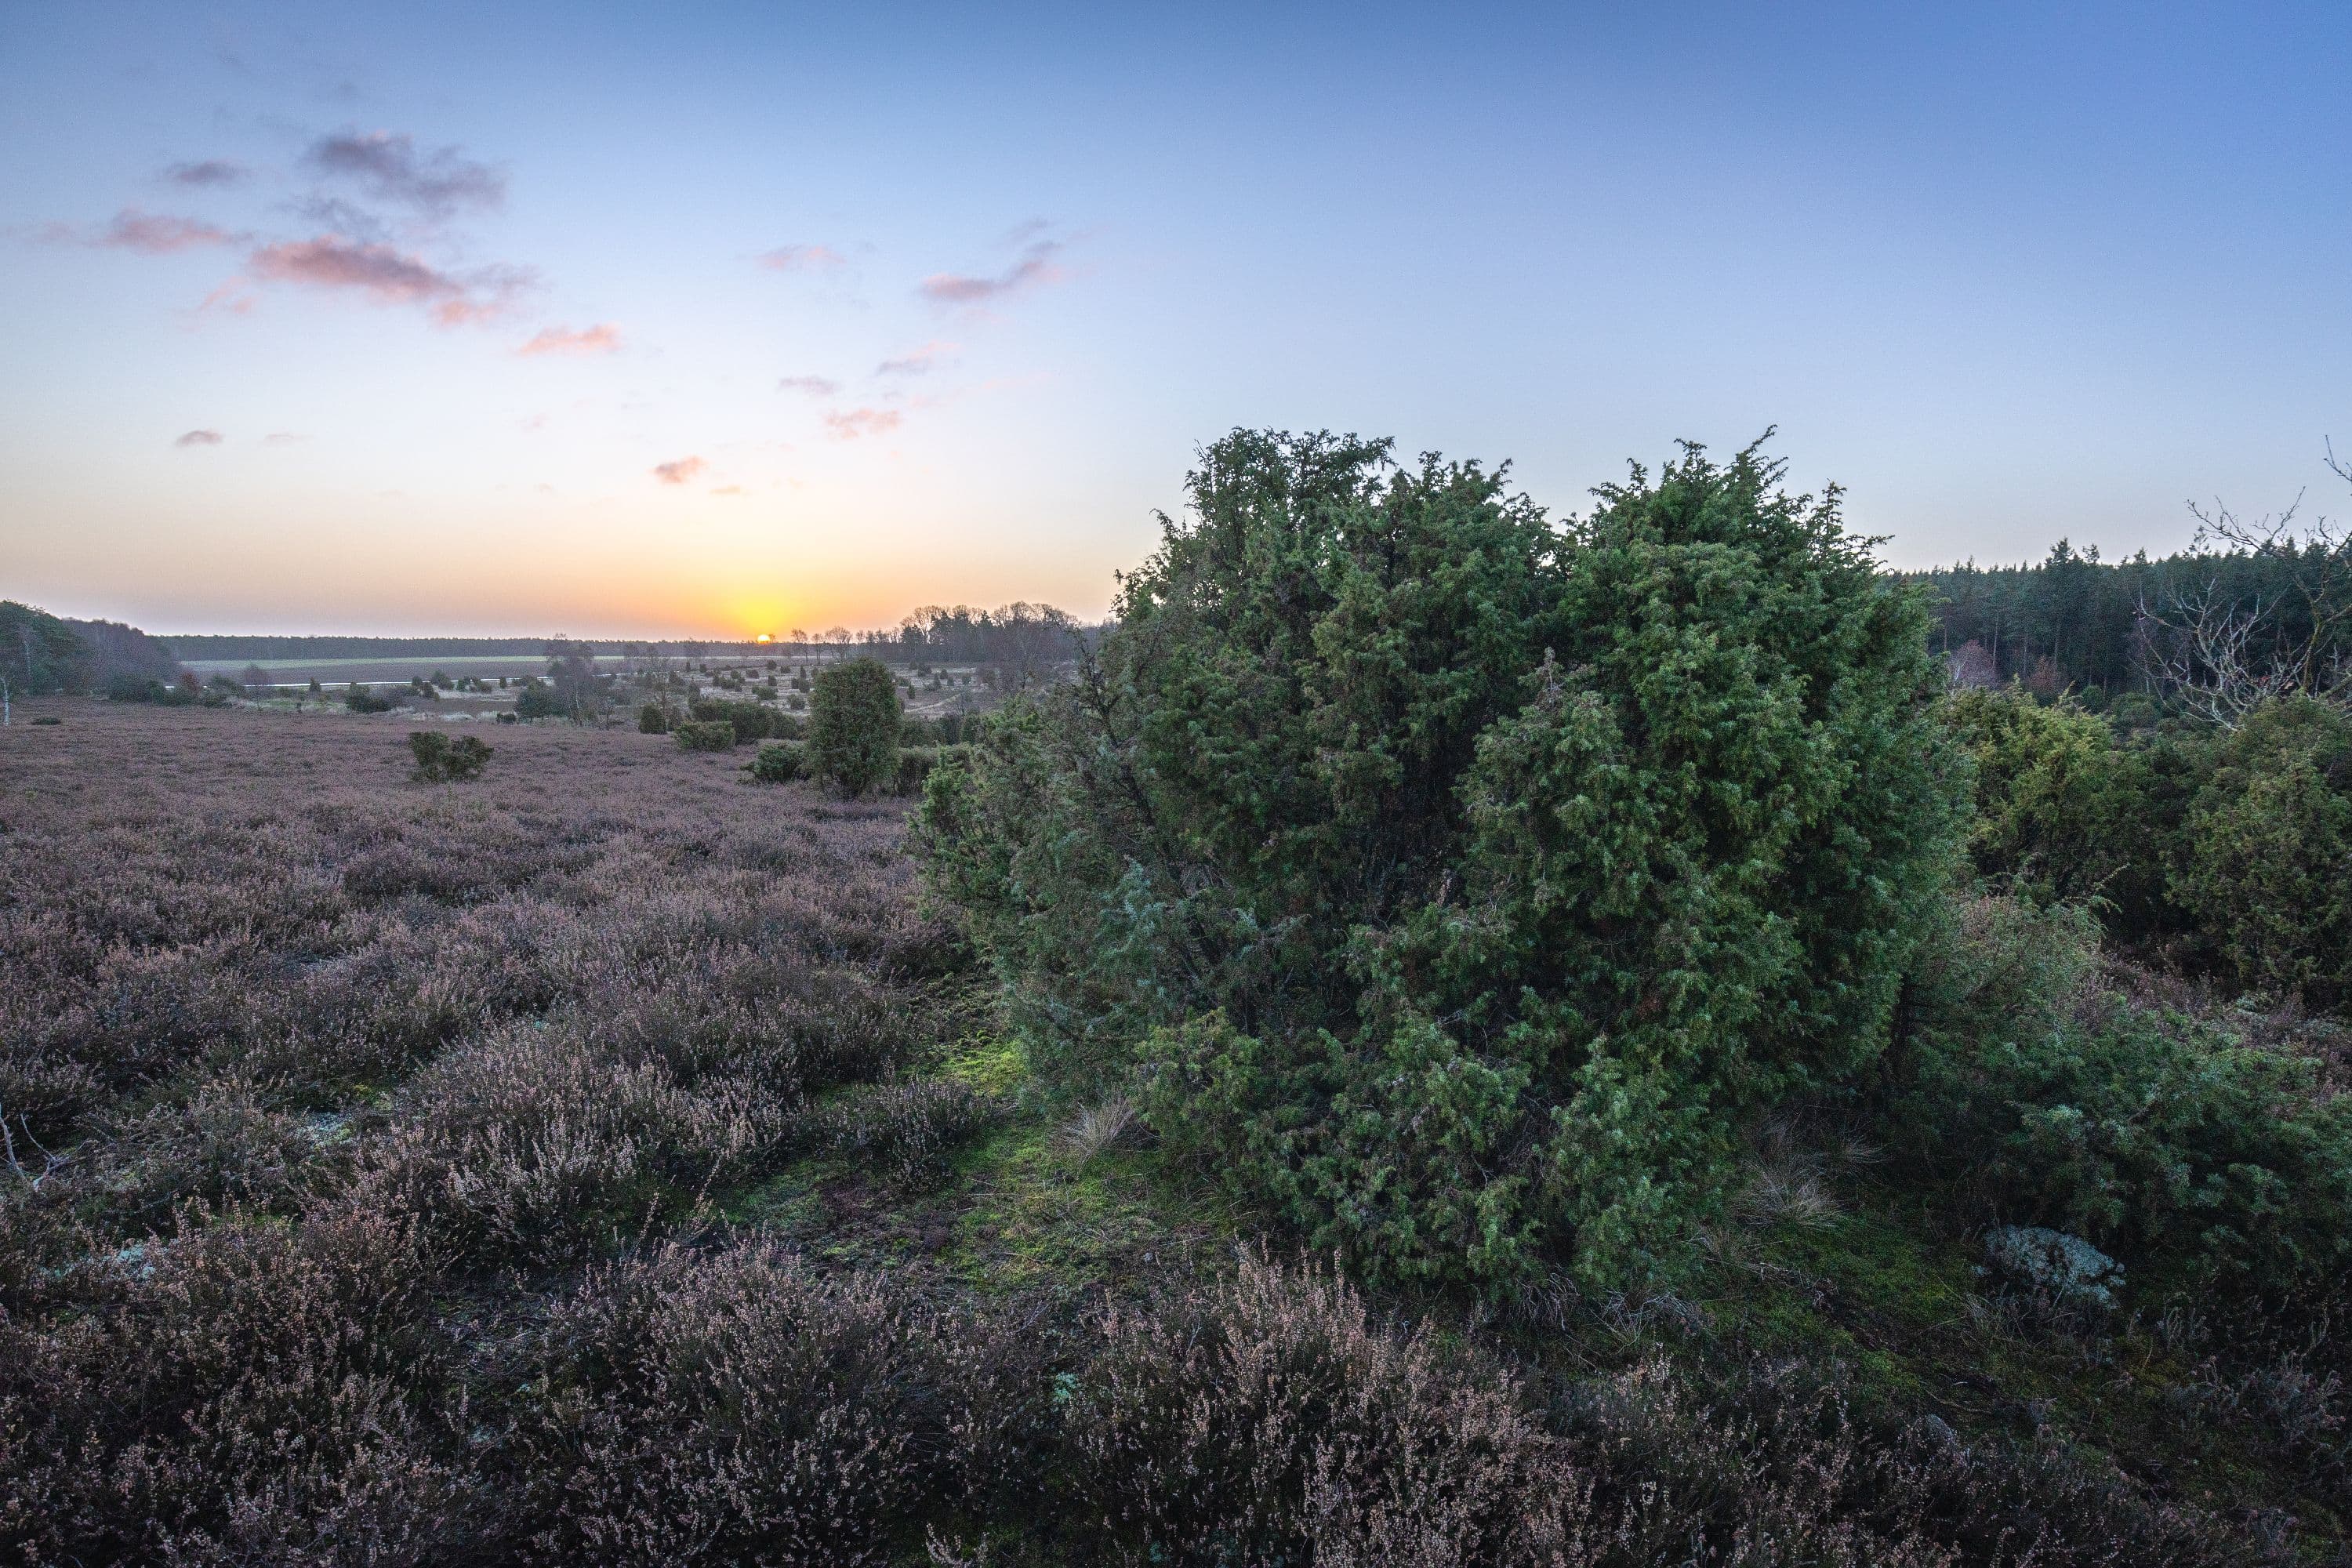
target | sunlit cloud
[
  {"x": 814, "y": 385},
  {"x": 680, "y": 471},
  {"x": 207, "y": 171},
  {"x": 389, "y": 277},
  {"x": 386, "y": 165},
  {"x": 283, "y": 438},
  {"x": 728, "y": 490},
  {"x": 199, "y": 439},
  {"x": 916, "y": 361},
  {"x": 800, "y": 259},
  {"x": 850, "y": 424},
  {"x": 1035, "y": 268},
  {"x": 601, "y": 338}
]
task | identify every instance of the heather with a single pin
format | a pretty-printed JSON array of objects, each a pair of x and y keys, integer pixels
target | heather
[{"x": 614, "y": 1156}]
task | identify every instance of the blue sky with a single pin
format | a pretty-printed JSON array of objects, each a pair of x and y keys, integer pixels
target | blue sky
[{"x": 842, "y": 310}]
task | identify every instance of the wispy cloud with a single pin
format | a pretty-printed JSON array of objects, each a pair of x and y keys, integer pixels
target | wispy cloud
[
  {"x": 916, "y": 361},
  {"x": 387, "y": 165},
  {"x": 849, "y": 424},
  {"x": 283, "y": 438},
  {"x": 601, "y": 338},
  {"x": 1035, "y": 268},
  {"x": 199, "y": 439},
  {"x": 800, "y": 259},
  {"x": 150, "y": 234},
  {"x": 680, "y": 471},
  {"x": 207, "y": 171},
  {"x": 728, "y": 490},
  {"x": 814, "y": 385},
  {"x": 389, "y": 277}
]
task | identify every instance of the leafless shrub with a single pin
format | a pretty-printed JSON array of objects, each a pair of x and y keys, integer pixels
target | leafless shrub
[{"x": 745, "y": 1408}]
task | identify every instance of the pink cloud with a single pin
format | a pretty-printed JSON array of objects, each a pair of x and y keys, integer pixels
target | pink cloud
[
  {"x": 199, "y": 439},
  {"x": 679, "y": 471},
  {"x": 916, "y": 361},
  {"x": 387, "y": 275},
  {"x": 601, "y": 338},
  {"x": 814, "y": 385},
  {"x": 850, "y": 424},
  {"x": 801, "y": 258},
  {"x": 1035, "y": 267}
]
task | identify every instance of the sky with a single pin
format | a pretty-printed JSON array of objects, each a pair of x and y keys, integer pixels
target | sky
[{"x": 697, "y": 320}]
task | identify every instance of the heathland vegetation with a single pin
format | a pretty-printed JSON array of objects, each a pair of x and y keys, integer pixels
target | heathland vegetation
[{"x": 1443, "y": 1035}]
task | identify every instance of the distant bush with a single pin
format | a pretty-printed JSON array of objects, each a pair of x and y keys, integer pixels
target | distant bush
[
  {"x": 915, "y": 766},
  {"x": 2268, "y": 855},
  {"x": 1458, "y": 875},
  {"x": 652, "y": 718},
  {"x": 440, "y": 760},
  {"x": 537, "y": 700},
  {"x": 700, "y": 735},
  {"x": 360, "y": 700},
  {"x": 751, "y": 720},
  {"x": 779, "y": 762},
  {"x": 852, "y": 742},
  {"x": 2058, "y": 804}
]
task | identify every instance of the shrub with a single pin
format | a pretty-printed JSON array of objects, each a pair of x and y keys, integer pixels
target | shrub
[
  {"x": 751, "y": 720},
  {"x": 1458, "y": 877},
  {"x": 853, "y": 744},
  {"x": 2204, "y": 1161},
  {"x": 915, "y": 766},
  {"x": 2058, "y": 810},
  {"x": 440, "y": 760},
  {"x": 705, "y": 735},
  {"x": 653, "y": 719},
  {"x": 361, "y": 700},
  {"x": 745, "y": 1408},
  {"x": 1271, "y": 1419},
  {"x": 2269, "y": 850},
  {"x": 779, "y": 762},
  {"x": 908, "y": 1129}
]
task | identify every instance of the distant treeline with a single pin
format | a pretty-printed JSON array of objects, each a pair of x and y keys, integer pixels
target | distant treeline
[
  {"x": 2072, "y": 620},
  {"x": 193, "y": 645}
]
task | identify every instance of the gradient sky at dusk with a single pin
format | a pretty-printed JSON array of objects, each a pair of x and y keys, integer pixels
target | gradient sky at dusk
[{"x": 711, "y": 319}]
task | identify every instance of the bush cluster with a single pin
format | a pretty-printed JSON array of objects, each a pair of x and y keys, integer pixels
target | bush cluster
[
  {"x": 2231, "y": 848},
  {"x": 1457, "y": 874},
  {"x": 751, "y": 721},
  {"x": 2215, "y": 1163},
  {"x": 705, "y": 735}
]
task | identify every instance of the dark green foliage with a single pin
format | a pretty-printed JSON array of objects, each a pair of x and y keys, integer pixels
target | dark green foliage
[
  {"x": 779, "y": 762},
  {"x": 751, "y": 720},
  {"x": 441, "y": 759},
  {"x": 2267, "y": 867},
  {"x": 1460, "y": 875},
  {"x": 705, "y": 735},
  {"x": 360, "y": 700},
  {"x": 653, "y": 719},
  {"x": 852, "y": 740},
  {"x": 537, "y": 700},
  {"x": 39, "y": 652},
  {"x": 915, "y": 766},
  {"x": 2203, "y": 1158},
  {"x": 2060, "y": 807}
]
